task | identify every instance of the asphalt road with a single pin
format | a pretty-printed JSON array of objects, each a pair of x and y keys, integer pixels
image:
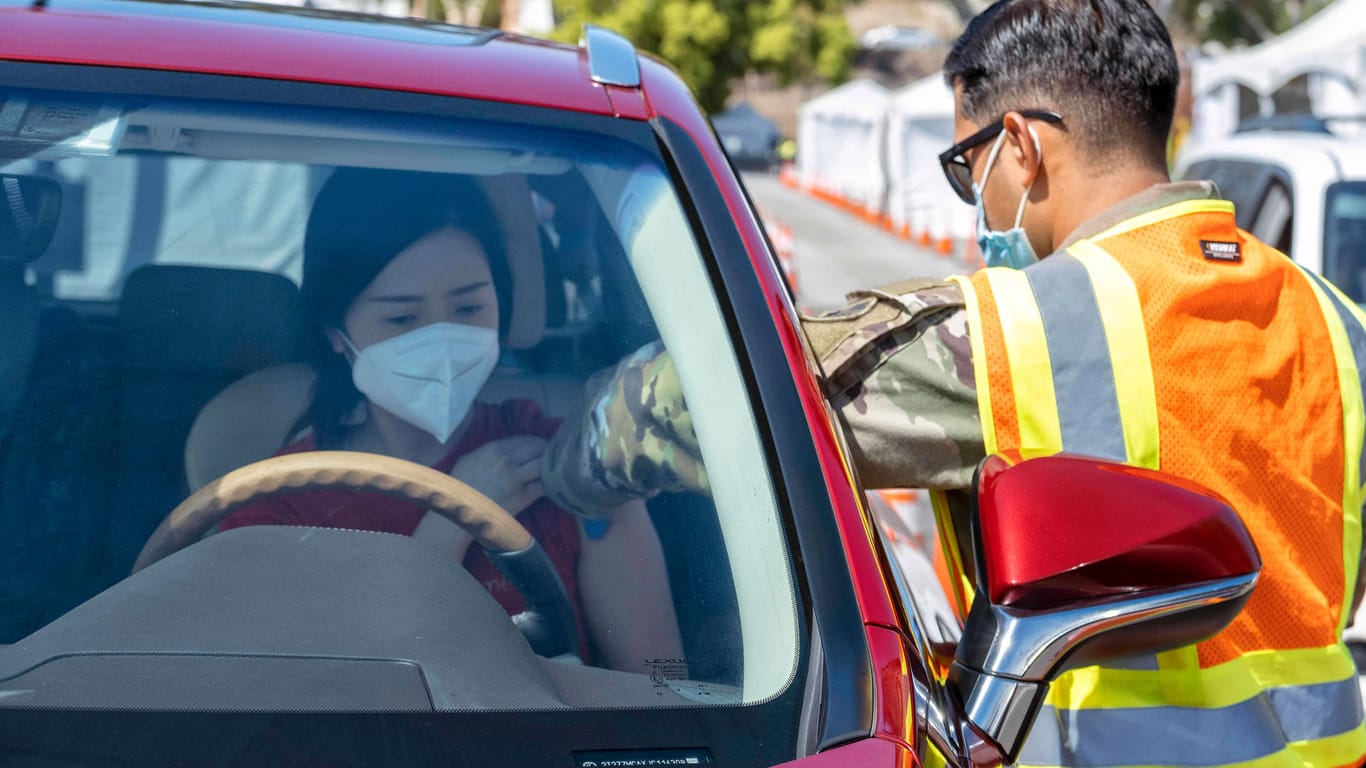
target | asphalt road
[{"x": 836, "y": 252}]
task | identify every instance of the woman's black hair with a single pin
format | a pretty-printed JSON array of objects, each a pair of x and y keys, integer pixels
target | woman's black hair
[
  {"x": 1107, "y": 66},
  {"x": 361, "y": 220}
]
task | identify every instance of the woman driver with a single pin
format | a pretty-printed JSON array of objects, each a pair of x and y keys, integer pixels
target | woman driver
[{"x": 401, "y": 271}]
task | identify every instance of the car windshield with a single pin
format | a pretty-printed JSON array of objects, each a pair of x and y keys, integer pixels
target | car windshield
[
  {"x": 230, "y": 278},
  {"x": 1344, "y": 238}
]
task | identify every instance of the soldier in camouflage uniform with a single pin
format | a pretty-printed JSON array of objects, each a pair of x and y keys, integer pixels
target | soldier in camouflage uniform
[
  {"x": 1131, "y": 297},
  {"x": 897, "y": 368}
]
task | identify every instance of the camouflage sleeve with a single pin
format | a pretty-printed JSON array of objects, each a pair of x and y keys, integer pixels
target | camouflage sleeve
[
  {"x": 898, "y": 371},
  {"x": 633, "y": 439}
]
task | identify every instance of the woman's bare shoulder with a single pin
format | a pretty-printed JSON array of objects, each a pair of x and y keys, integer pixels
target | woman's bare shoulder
[{"x": 248, "y": 421}]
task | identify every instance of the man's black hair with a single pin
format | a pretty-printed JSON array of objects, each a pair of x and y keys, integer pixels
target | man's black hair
[{"x": 1107, "y": 66}]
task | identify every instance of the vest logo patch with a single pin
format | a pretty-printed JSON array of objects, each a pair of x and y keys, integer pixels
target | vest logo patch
[{"x": 1216, "y": 250}]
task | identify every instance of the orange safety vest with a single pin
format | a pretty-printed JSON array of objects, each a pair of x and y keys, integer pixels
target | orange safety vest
[{"x": 1175, "y": 341}]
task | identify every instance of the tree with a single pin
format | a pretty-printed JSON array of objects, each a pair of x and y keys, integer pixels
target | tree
[
  {"x": 1234, "y": 22},
  {"x": 1230, "y": 22},
  {"x": 712, "y": 43}
]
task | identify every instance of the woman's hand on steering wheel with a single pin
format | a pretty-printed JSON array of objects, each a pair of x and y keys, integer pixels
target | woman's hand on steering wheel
[{"x": 508, "y": 471}]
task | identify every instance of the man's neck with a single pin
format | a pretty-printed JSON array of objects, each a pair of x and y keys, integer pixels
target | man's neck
[{"x": 1083, "y": 198}]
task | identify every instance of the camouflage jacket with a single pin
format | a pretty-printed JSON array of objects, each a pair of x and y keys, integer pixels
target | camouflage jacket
[{"x": 897, "y": 368}]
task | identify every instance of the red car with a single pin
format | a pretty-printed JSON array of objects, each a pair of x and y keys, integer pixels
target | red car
[{"x": 231, "y": 234}]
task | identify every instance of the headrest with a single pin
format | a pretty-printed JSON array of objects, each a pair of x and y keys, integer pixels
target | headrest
[
  {"x": 209, "y": 321},
  {"x": 510, "y": 197},
  {"x": 29, "y": 207}
]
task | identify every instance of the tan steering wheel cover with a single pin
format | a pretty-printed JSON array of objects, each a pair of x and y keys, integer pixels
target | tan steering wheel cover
[{"x": 489, "y": 524}]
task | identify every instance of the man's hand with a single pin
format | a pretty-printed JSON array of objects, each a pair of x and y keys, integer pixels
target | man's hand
[
  {"x": 508, "y": 471},
  {"x": 634, "y": 439}
]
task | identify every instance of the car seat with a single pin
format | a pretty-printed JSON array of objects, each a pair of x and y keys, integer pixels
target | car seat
[
  {"x": 54, "y": 429},
  {"x": 27, "y": 223},
  {"x": 184, "y": 334}
]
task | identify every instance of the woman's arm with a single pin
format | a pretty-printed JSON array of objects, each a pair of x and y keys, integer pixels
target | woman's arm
[
  {"x": 625, "y": 592},
  {"x": 247, "y": 422}
]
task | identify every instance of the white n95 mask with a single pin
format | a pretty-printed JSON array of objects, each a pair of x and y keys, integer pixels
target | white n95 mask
[{"x": 428, "y": 377}]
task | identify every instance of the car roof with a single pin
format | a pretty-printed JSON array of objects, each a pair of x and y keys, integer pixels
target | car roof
[
  {"x": 1346, "y": 155},
  {"x": 287, "y": 43}
]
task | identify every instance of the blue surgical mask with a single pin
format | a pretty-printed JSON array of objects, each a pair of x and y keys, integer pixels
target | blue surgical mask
[{"x": 1010, "y": 248}]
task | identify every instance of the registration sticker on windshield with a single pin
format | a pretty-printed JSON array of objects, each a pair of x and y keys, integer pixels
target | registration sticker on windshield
[{"x": 642, "y": 758}]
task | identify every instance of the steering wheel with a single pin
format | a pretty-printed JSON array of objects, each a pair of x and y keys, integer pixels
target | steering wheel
[{"x": 548, "y": 622}]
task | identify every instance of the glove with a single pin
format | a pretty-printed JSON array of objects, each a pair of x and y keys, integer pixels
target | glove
[{"x": 634, "y": 439}]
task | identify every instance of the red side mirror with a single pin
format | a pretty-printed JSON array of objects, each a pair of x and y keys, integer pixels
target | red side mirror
[
  {"x": 1081, "y": 561},
  {"x": 1073, "y": 530}
]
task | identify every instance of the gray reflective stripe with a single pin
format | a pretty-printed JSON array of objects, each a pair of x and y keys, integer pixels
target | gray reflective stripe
[
  {"x": 1146, "y": 663},
  {"x": 1190, "y": 736},
  {"x": 1314, "y": 711},
  {"x": 1083, "y": 379},
  {"x": 1356, "y": 336}
]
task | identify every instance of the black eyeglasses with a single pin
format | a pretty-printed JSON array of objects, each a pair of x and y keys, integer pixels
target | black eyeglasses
[{"x": 955, "y": 165}]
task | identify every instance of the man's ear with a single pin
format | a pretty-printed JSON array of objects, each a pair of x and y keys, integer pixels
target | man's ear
[{"x": 1023, "y": 144}]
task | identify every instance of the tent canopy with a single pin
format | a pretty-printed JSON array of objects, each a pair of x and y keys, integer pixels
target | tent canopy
[
  {"x": 858, "y": 99},
  {"x": 839, "y": 138},
  {"x": 920, "y": 126},
  {"x": 1330, "y": 44},
  {"x": 928, "y": 96}
]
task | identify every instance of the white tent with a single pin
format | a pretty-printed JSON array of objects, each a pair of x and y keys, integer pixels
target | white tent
[
  {"x": 839, "y": 138},
  {"x": 920, "y": 202},
  {"x": 1329, "y": 50}
]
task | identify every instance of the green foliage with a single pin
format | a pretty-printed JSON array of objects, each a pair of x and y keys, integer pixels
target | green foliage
[
  {"x": 1233, "y": 22},
  {"x": 711, "y": 43},
  {"x": 491, "y": 14}
]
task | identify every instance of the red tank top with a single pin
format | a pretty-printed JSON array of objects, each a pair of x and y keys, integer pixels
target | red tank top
[{"x": 551, "y": 526}]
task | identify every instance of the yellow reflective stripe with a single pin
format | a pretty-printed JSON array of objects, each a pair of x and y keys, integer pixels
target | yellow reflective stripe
[
  {"x": 948, "y": 541},
  {"x": 979, "y": 362},
  {"x": 1122, "y": 316},
  {"x": 1354, "y": 431},
  {"x": 1163, "y": 214},
  {"x": 1332, "y": 752},
  {"x": 1031, "y": 371},
  {"x": 932, "y": 757},
  {"x": 1218, "y": 686}
]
